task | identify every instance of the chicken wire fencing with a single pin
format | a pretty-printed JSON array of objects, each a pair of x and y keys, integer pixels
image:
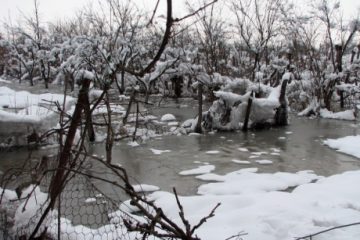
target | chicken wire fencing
[{"x": 89, "y": 207}]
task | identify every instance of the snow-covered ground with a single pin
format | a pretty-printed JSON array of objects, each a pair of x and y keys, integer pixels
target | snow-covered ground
[
  {"x": 349, "y": 145},
  {"x": 279, "y": 206},
  {"x": 344, "y": 115},
  {"x": 21, "y": 113},
  {"x": 259, "y": 205}
]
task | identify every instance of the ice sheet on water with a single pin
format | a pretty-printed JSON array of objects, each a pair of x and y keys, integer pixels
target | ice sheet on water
[
  {"x": 158, "y": 151},
  {"x": 199, "y": 170}
]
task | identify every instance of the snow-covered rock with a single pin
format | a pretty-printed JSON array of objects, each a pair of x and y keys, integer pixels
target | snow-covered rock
[{"x": 168, "y": 118}]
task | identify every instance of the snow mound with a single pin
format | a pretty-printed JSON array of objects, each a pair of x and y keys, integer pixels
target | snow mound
[
  {"x": 145, "y": 188},
  {"x": 273, "y": 214},
  {"x": 168, "y": 118},
  {"x": 229, "y": 111},
  {"x": 243, "y": 182},
  {"x": 345, "y": 115},
  {"x": 22, "y": 113}
]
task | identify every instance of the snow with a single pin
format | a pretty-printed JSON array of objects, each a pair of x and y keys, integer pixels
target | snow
[
  {"x": 248, "y": 181},
  {"x": 312, "y": 108},
  {"x": 199, "y": 170},
  {"x": 288, "y": 76},
  {"x": 255, "y": 203},
  {"x": 168, "y": 118},
  {"x": 22, "y": 99},
  {"x": 194, "y": 134},
  {"x": 213, "y": 152},
  {"x": 235, "y": 106},
  {"x": 259, "y": 153},
  {"x": 349, "y": 145},
  {"x": 94, "y": 94},
  {"x": 84, "y": 74},
  {"x": 159, "y": 152},
  {"x": 243, "y": 149},
  {"x": 241, "y": 161},
  {"x": 345, "y": 115},
  {"x": 273, "y": 206},
  {"x": 173, "y": 124},
  {"x": 29, "y": 212},
  {"x": 275, "y": 150},
  {"x": 90, "y": 200},
  {"x": 145, "y": 188},
  {"x": 4, "y": 81},
  {"x": 7, "y": 195},
  {"x": 264, "y": 162},
  {"x": 102, "y": 109},
  {"x": 133, "y": 144},
  {"x": 21, "y": 113}
]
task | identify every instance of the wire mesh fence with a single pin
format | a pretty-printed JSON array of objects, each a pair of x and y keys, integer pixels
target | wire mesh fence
[{"x": 89, "y": 207}]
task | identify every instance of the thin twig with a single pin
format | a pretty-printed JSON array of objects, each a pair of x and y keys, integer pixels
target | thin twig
[{"x": 328, "y": 230}]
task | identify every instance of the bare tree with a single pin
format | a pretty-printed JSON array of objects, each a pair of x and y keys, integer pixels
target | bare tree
[{"x": 257, "y": 23}]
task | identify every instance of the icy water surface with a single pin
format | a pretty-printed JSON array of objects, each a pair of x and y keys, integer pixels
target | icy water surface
[{"x": 293, "y": 148}]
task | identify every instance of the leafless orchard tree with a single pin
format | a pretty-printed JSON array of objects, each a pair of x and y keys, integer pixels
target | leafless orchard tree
[
  {"x": 211, "y": 32},
  {"x": 257, "y": 24}
]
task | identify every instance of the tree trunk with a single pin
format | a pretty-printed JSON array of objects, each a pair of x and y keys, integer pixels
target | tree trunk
[
  {"x": 339, "y": 51},
  {"x": 352, "y": 57},
  {"x": 122, "y": 81},
  {"x": 257, "y": 59},
  {"x": 248, "y": 111},
  {"x": 89, "y": 122},
  {"x": 110, "y": 132},
  {"x": 281, "y": 115},
  {"x": 58, "y": 180},
  {"x": 132, "y": 98},
  {"x": 198, "y": 128}
]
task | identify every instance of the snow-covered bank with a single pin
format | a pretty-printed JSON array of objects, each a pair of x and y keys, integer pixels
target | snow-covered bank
[
  {"x": 255, "y": 204},
  {"x": 22, "y": 113},
  {"x": 345, "y": 115},
  {"x": 349, "y": 145},
  {"x": 280, "y": 206}
]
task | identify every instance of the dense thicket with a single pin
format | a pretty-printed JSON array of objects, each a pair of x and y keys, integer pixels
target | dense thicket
[{"x": 231, "y": 45}]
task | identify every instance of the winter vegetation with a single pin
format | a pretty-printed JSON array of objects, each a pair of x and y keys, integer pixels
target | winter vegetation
[{"x": 104, "y": 78}]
